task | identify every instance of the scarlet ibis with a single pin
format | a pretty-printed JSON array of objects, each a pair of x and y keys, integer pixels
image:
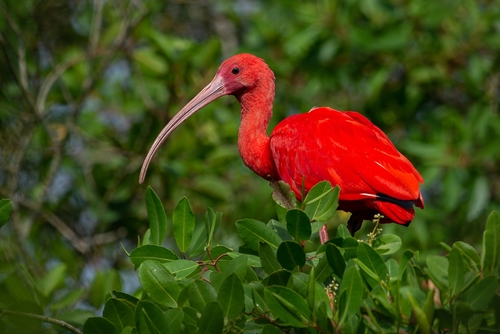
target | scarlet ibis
[{"x": 344, "y": 148}]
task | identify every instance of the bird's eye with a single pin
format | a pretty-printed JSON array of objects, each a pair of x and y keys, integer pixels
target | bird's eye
[{"x": 235, "y": 70}]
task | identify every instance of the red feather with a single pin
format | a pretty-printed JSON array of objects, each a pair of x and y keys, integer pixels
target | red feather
[{"x": 348, "y": 150}]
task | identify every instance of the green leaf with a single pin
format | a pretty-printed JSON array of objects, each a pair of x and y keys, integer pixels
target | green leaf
[
  {"x": 181, "y": 268},
  {"x": 403, "y": 263},
  {"x": 422, "y": 321},
  {"x": 392, "y": 268},
  {"x": 183, "y": 221},
  {"x": 290, "y": 255},
  {"x": 480, "y": 295},
  {"x": 249, "y": 303},
  {"x": 438, "y": 270},
  {"x": 288, "y": 305},
  {"x": 148, "y": 57},
  {"x": 212, "y": 222},
  {"x": 322, "y": 201},
  {"x": 298, "y": 225},
  {"x": 5, "y": 210},
  {"x": 103, "y": 283},
  {"x": 150, "y": 318},
  {"x": 469, "y": 253},
  {"x": 200, "y": 294},
  {"x": 343, "y": 232},
  {"x": 98, "y": 325},
  {"x": 311, "y": 290},
  {"x": 387, "y": 244},
  {"x": 456, "y": 272},
  {"x": 279, "y": 277},
  {"x": 268, "y": 259},
  {"x": 253, "y": 231},
  {"x": 323, "y": 270},
  {"x": 212, "y": 319},
  {"x": 157, "y": 217},
  {"x": 479, "y": 197},
  {"x": 283, "y": 195},
  {"x": 371, "y": 263},
  {"x": 68, "y": 299},
  {"x": 270, "y": 329},
  {"x": 198, "y": 242},
  {"x": 151, "y": 253},
  {"x": 174, "y": 319},
  {"x": 52, "y": 279},
  {"x": 252, "y": 260},
  {"x": 279, "y": 229},
  {"x": 491, "y": 244},
  {"x": 231, "y": 297},
  {"x": 350, "y": 247},
  {"x": 118, "y": 313},
  {"x": 335, "y": 259},
  {"x": 158, "y": 283},
  {"x": 350, "y": 293},
  {"x": 237, "y": 266}
]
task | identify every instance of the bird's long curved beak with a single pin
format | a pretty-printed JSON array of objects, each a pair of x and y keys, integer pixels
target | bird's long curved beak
[{"x": 212, "y": 91}]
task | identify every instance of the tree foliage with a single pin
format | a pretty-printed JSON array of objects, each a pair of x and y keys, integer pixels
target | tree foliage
[{"x": 85, "y": 86}]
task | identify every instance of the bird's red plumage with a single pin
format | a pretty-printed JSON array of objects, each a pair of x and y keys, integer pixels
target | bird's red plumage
[
  {"x": 344, "y": 148},
  {"x": 348, "y": 150}
]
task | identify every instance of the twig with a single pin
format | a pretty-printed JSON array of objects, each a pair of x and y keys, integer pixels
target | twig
[{"x": 42, "y": 318}]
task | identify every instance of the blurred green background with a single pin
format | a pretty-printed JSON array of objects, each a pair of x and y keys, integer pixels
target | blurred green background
[{"x": 85, "y": 87}]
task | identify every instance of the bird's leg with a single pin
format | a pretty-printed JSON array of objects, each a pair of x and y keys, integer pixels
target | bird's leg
[
  {"x": 354, "y": 223},
  {"x": 323, "y": 234}
]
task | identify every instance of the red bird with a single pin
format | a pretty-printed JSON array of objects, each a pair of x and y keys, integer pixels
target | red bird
[{"x": 344, "y": 148}]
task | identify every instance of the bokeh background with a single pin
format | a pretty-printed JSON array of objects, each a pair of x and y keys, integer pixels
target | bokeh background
[{"x": 85, "y": 87}]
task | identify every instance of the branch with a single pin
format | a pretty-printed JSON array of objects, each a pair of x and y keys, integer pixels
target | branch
[{"x": 41, "y": 318}]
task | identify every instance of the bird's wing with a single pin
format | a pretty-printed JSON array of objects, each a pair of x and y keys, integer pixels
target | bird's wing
[{"x": 344, "y": 148}]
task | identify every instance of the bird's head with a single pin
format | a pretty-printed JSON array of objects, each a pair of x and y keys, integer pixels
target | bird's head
[
  {"x": 243, "y": 72},
  {"x": 236, "y": 76}
]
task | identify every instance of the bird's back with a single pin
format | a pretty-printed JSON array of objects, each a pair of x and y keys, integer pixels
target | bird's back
[{"x": 348, "y": 150}]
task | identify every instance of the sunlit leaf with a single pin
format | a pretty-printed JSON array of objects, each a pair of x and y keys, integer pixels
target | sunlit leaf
[
  {"x": 387, "y": 244},
  {"x": 321, "y": 202}
]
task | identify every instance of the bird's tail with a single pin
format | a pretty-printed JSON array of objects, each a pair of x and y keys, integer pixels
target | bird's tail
[{"x": 395, "y": 213}]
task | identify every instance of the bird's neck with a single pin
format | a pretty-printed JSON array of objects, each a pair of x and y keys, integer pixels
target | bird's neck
[{"x": 253, "y": 141}]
